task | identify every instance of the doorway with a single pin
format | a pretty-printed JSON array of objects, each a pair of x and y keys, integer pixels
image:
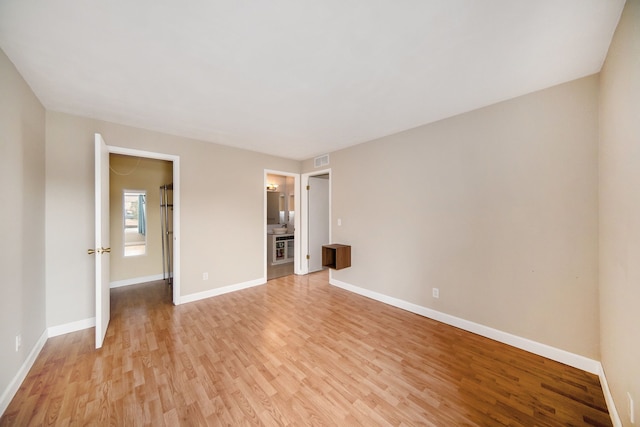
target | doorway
[
  {"x": 144, "y": 160},
  {"x": 281, "y": 208},
  {"x": 136, "y": 232},
  {"x": 315, "y": 218}
]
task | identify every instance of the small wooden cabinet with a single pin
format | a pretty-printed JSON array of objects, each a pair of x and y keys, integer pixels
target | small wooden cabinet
[{"x": 336, "y": 256}]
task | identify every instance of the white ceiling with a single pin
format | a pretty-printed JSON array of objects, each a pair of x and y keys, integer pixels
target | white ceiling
[{"x": 297, "y": 78}]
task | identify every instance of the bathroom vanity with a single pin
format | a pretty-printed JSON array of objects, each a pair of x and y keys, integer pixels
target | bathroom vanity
[{"x": 280, "y": 248}]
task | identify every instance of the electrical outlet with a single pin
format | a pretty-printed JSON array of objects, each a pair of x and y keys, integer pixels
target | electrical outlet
[
  {"x": 205, "y": 276},
  {"x": 18, "y": 341},
  {"x": 436, "y": 293},
  {"x": 631, "y": 409}
]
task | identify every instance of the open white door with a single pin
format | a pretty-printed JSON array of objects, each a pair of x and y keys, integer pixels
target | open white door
[
  {"x": 102, "y": 248},
  {"x": 318, "y": 225}
]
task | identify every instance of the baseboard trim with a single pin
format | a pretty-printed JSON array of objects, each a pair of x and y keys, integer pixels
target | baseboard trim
[
  {"x": 15, "y": 384},
  {"x": 608, "y": 397},
  {"x": 78, "y": 325},
  {"x": 135, "y": 281},
  {"x": 224, "y": 290},
  {"x": 544, "y": 350}
]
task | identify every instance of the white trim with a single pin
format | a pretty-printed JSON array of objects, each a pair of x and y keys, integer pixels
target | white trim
[
  {"x": 176, "y": 207},
  {"x": 175, "y": 277},
  {"x": 141, "y": 153},
  {"x": 296, "y": 218},
  {"x": 67, "y": 328},
  {"x": 608, "y": 397},
  {"x": 303, "y": 265},
  {"x": 544, "y": 350},
  {"x": 135, "y": 281},
  {"x": 223, "y": 290},
  {"x": 16, "y": 382}
]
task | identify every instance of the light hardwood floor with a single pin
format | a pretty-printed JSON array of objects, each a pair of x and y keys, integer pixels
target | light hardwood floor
[{"x": 295, "y": 351}]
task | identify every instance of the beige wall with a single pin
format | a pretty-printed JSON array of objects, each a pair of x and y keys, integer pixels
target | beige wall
[
  {"x": 134, "y": 173},
  {"x": 22, "y": 153},
  {"x": 222, "y": 210},
  {"x": 620, "y": 212},
  {"x": 497, "y": 208}
]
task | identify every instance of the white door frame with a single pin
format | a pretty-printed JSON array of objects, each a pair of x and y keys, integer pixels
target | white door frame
[
  {"x": 304, "y": 218},
  {"x": 296, "y": 218},
  {"x": 176, "y": 206}
]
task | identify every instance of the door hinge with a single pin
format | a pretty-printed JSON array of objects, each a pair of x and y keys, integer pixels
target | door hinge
[
  {"x": 308, "y": 187},
  {"x": 308, "y": 257}
]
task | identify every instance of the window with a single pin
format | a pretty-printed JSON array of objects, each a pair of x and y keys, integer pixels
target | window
[{"x": 134, "y": 209}]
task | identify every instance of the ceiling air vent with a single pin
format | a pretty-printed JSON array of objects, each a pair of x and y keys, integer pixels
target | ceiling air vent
[{"x": 321, "y": 161}]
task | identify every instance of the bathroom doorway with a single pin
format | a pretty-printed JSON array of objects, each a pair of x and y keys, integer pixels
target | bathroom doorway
[{"x": 281, "y": 207}]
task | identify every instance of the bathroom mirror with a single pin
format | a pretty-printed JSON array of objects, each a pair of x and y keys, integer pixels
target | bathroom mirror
[{"x": 275, "y": 206}]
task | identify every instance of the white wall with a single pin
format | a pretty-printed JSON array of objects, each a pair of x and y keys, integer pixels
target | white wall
[
  {"x": 22, "y": 160},
  {"x": 496, "y": 207},
  {"x": 620, "y": 212},
  {"x": 222, "y": 212}
]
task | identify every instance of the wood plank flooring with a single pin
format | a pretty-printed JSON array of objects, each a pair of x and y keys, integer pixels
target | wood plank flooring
[{"x": 295, "y": 351}]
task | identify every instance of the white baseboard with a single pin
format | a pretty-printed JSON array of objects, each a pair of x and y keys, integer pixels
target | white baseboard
[
  {"x": 135, "y": 281},
  {"x": 14, "y": 385},
  {"x": 79, "y": 325},
  {"x": 611, "y": 406},
  {"x": 544, "y": 350},
  {"x": 224, "y": 290}
]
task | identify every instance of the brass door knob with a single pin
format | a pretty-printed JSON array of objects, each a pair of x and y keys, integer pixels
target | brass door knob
[{"x": 98, "y": 251}]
